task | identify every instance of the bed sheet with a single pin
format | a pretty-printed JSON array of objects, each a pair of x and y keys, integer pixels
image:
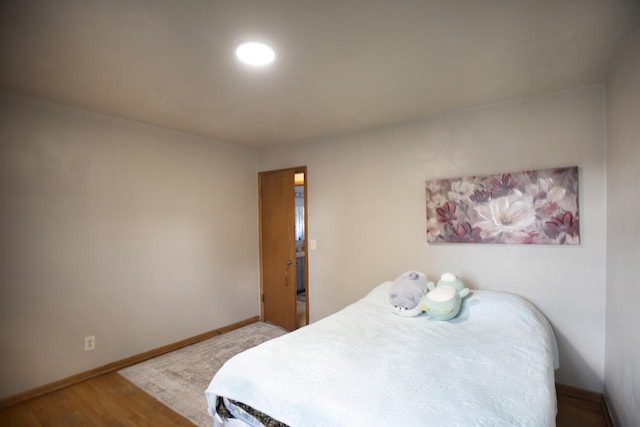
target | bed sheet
[{"x": 493, "y": 365}]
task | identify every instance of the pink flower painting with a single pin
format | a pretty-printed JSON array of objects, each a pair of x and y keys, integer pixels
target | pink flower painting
[{"x": 530, "y": 207}]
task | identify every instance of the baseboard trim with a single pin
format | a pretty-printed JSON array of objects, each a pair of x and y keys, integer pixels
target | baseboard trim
[
  {"x": 607, "y": 412},
  {"x": 588, "y": 398},
  {"x": 120, "y": 364}
]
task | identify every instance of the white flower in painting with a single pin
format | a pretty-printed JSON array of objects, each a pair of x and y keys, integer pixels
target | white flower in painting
[
  {"x": 435, "y": 196},
  {"x": 436, "y": 200},
  {"x": 434, "y": 186},
  {"x": 433, "y": 229},
  {"x": 461, "y": 190},
  {"x": 506, "y": 218},
  {"x": 547, "y": 195}
]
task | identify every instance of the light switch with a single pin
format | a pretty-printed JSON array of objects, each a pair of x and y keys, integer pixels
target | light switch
[{"x": 312, "y": 244}]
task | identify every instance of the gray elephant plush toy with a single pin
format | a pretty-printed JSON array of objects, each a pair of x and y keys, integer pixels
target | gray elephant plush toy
[{"x": 406, "y": 293}]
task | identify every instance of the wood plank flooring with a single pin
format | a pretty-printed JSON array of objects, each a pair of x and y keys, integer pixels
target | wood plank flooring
[
  {"x": 581, "y": 408},
  {"x": 111, "y": 400},
  {"x": 572, "y": 413},
  {"x": 106, "y": 400}
]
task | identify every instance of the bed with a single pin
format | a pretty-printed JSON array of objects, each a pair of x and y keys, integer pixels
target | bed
[{"x": 493, "y": 365}]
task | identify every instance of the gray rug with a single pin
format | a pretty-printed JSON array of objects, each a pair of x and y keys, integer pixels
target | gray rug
[{"x": 179, "y": 379}]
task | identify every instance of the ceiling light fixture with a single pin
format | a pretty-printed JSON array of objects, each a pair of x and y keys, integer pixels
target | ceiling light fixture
[{"x": 256, "y": 54}]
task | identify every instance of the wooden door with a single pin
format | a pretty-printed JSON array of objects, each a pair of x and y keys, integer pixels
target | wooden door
[{"x": 277, "y": 248}]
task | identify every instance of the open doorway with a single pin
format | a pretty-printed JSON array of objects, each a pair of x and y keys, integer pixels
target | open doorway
[
  {"x": 283, "y": 247},
  {"x": 301, "y": 248}
]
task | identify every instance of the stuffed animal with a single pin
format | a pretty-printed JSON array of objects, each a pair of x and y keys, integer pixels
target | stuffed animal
[
  {"x": 443, "y": 300},
  {"x": 406, "y": 293}
]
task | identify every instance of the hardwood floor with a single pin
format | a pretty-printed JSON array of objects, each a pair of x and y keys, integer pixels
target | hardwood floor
[
  {"x": 581, "y": 408},
  {"x": 106, "y": 400},
  {"x": 572, "y": 413},
  {"x": 111, "y": 400}
]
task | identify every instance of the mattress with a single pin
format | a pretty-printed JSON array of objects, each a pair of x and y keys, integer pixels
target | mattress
[{"x": 493, "y": 365}]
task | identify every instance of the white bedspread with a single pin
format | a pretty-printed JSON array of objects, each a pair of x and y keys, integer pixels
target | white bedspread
[{"x": 365, "y": 366}]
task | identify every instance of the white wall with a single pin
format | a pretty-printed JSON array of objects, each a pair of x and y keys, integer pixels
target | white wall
[
  {"x": 367, "y": 212},
  {"x": 622, "y": 374},
  {"x": 138, "y": 235},
  {"x": 144, "y": 236}
]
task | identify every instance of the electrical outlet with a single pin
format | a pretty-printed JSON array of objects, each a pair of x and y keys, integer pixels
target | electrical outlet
[{"x": 89, "y": 343}]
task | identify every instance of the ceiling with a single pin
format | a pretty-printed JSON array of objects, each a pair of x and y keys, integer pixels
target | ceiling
[{"x": 341, "y": 66}]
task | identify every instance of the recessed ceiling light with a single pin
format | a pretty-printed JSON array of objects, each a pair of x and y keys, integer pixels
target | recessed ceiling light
[{"x": 254, "y": 53}]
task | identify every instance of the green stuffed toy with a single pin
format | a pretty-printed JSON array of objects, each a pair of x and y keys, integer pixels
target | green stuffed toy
[{"x": 443, "y": 300}]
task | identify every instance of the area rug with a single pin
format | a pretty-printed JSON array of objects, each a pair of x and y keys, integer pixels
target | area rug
[{"x": 179, "y": 379}]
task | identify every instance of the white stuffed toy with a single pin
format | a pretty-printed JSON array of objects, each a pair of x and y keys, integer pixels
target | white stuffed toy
[
  {"x": 407, "y": 292},
  {"x": 443, "y": 300}
]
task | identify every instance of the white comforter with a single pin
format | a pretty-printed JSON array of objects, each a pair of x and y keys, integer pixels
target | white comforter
[{"x": 365, "y": 366}]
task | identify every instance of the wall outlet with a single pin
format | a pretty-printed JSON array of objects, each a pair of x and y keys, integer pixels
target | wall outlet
[{"x": 89, "y": 343}]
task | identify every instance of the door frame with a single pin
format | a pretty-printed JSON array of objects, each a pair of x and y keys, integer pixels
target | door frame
[{"x": 297, "y": 169}]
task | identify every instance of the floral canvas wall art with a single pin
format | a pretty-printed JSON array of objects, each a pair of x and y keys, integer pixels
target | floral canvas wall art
[{"x": 529, "y": 207}]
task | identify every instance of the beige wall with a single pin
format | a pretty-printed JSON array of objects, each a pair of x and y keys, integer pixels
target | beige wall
[
  {"x": 137, "y": 235},
  {"x": 622, "y": 375},
  {"x": 143, "y": 236},
  {"x": 367, "y": 212}
]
